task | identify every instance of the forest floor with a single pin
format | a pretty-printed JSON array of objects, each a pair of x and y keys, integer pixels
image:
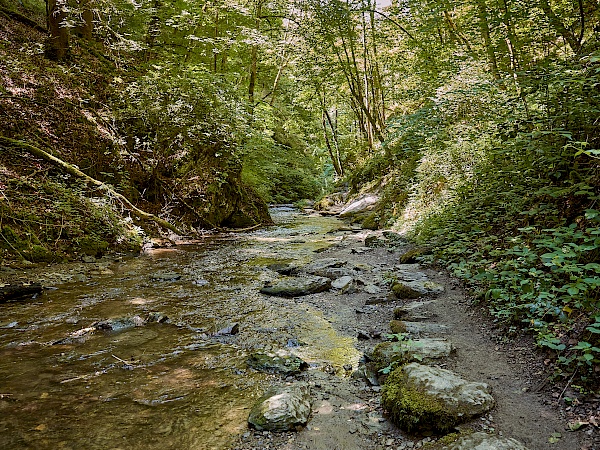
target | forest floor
[{"x": 347, "y": 413}]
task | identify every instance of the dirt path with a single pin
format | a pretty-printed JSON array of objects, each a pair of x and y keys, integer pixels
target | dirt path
[{"x": 346, "y": 410}]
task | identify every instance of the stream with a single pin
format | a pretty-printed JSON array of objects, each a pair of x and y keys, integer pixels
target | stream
[{"x": 152, "y": 383}]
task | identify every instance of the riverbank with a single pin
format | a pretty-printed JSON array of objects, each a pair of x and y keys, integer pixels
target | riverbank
[{"x": 186, "y": 381}]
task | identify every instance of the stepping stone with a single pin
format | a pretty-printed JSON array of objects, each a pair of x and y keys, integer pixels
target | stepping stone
[
  {"x": 402, "y": 352},
  {"x": 280, "y": 362},
  {"x": 423, "y": 328},
  {"x": 411, "y": 308},
  {"x": 484, "y": 441},
  {"x": 343, "y": 283},
  {"x": 297, "y": 287},
  {"x": 282, "y": 409},
  {"x": 426, "y": 287},
  {"x": 419, "y": 397}
]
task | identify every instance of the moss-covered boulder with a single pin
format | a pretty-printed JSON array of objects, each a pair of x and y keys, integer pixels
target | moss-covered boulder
[
  {"x": 419, "y": 397},
  {"x": 410, "y": 256},
  {"x": 282, "y": 363},
  {"x": 404, "y": 292},
  {"x": 297, "y": 287}
]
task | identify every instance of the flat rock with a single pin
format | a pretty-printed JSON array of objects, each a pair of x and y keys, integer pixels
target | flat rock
[
  {"x": 283, "y": 268},
  {"x": 424, "y": 328},
  {"x": 280, "y": 362},
  {"x": 409, "y": 272},
  {"x": 372, "y": 289},
  {"x": 282, "y": 408},
  {"x": 332, "y": 272},
  {"x": 402, "y": 352},
  {"x": 165, "y": 276},
  {"x": 484, "y": 441},
  {"x": 297, "y": 287},
  {"x": 411, "y": 308},
  {"x": 420, "y": 397},
  {"x": 343, "y": 283},
  {"x": 426, "y": 287},
  {"x": 324, "y": 263}
]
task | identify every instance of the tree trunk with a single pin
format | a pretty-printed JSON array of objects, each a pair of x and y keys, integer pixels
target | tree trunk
[
  {"x": 86, "y": 28},
  {"x": 559, "y": 27},
  {"x": 254, "y": 55},
  {"x": 57, "y": 45},
  {"x": 153, "y": 30},
  {"x": 484, "y": 26}
]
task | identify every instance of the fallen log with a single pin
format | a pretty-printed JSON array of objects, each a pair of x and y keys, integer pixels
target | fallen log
[
  {"x": 19, "y": 291},
  {"x": 74, "y": 170}
]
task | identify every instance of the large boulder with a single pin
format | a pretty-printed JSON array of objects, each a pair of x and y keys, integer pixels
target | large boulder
[
  {"x": 282, "y": 408},
  {"x": 420, "y": 397},
  {"x": 360, "y": 205},
  {"x": 297, "y": 287},
  {"x": 484, "y": 441}
]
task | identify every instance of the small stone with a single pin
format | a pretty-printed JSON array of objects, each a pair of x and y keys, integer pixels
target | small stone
[{"x": 282, "y": 409}]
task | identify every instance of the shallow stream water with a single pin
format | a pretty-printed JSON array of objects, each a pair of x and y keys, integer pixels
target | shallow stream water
[{"x": 160, "y": 385}]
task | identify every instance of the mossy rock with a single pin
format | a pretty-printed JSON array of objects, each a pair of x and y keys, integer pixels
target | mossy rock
[
  {"x": 413, "y": 410},
  {"x": 403, "y": 291},
  {"x": 371, "y": 222},
  {"x": 410, "y": 256},
  {"x": 397, "y": 327},
  {"x": 92, "y": 246},
  {"x": 39, "y": 253},
  {"x": 420, "y": 397}
]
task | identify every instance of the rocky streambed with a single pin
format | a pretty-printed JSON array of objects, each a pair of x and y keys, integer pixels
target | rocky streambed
[{"x": 291, "y": 327}]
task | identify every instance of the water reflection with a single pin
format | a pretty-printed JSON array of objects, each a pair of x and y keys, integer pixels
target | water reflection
[{"x": 68, "y": 383}]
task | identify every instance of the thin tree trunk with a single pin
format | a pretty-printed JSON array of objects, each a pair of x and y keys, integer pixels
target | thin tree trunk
[
  {"x": 57, "y": 45},
  {"x": 484, "y": 26},
  {"x": 153, "y": 30},
  {"x": 254, "y": 56},
  {"x": 560, "y": 28}
]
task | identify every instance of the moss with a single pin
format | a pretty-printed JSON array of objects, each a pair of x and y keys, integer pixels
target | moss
[
  {"x": 413, "y": 410},
  {"x": 92, "y": 246},
  {"x": 389, "y": 353},
  {"x": 411, "y": 256},
  {"x": 402, "y": 291},
  {"x": 397, "y": 327},
  {"x": 39, "y": 253},
  {"x": 399, "y": 313},
  {"x": 371, "y": 222}
]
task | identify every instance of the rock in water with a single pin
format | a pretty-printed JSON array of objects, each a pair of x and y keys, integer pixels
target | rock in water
[
  {"x": 484, "y": 441},
  {"x": 282, "y": 363},
  {"x": 282, "y": 408},
  {"x": 420, "y": 397},
  {"x": 297, "y": 287}
]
